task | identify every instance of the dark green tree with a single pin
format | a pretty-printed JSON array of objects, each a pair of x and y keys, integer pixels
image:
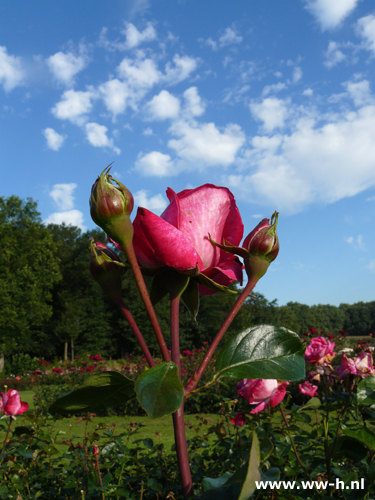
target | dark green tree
[{"x": 29, "y": 268}]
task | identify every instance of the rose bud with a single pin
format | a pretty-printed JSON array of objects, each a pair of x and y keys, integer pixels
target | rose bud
[
  {"x": 111, "y": 206},
  {"x": 263, "y": 240},
  {"x": 106, "y": 269},
  {"x": 259, "y": 248}
]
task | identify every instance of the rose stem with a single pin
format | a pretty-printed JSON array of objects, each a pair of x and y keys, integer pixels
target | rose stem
[
  {"x": 133, "y": 325},
  {"x": 129, "y": 250},
  {"x": 193, "y": 382},
  {"x": 178, "y": 416},
  {"x": 6, "y": 437}
]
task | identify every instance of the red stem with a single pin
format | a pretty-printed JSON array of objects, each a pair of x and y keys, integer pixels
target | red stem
[
  {"x": 129, "y": 250},
  {"x": 194, "y": 380},
  {"x": 178, "y": 416},
  {"x": 133, "y": 325}
]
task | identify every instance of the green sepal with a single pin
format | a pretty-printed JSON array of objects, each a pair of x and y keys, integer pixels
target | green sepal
[
  {"x": 168, "y": 281},
  {"x": 190, "y": 298},
  {"x": 229, "y": 248},
  {"x": 211, "y": 285}
]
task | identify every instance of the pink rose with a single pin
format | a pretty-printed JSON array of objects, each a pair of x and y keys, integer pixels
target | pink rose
[
  {"x": 179, "y": 238},
  {"x": 261, "y": 392},
  {"x": 320, "y": 351},
  {"x": 11, "y": 403},
  {"x": 361, "y": 366},
  {"x": 308, "y": 389},
  {"x": 239, "y": 420}
]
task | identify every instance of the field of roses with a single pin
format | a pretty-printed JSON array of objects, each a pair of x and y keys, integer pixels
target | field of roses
[{"x": 320, "y": 429}]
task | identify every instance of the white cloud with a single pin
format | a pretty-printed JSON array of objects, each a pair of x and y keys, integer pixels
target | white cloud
[
  {"x": 74, "y": 105},
  {"x": 308, "y": 92},
  {"x": 275, "y": 87},
  {"x": 357, "y": 243},
  {"x": 135, "y": 37},
  {"x": 366, "y": 29},
  {"x": 97, "y": 137},
  {"x": 156, "y": 204},
  {"x": 116, "y": 95},
  {"x": 54, "y": 140},
  {"x": 204, "y": 144},
  {"x": 148, "y": 131},
  {"x": 70, "y": 218},
  {"x": 182, "y": 68},
  {"x": 193, "y": 103},
  {"x": 211, "y": 43},
  {"x": 163, "y": 106},
  {"x": 141, "y": 73},
  {"x": 11, "y": 71},
  {"x": 230, "y": 37},
  {"x": 155, "y": 164},
  {"x": 271, "y": 111},
  {"x": 62, "y": 194},
  {"x": 312, "y": 164},
  {"x": 65, "y": 66},
  {"x": 333, "y": 55},
  {"x": 360, "y": 92},
  {"x": 330, "y": 13},
  {"x": 297, "y": 74}
]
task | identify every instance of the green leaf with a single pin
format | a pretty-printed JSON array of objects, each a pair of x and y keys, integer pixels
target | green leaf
[
  {"x": 209, "y": 483},
  {"x": 253, "y": 474},
  {"x": 311, "y": 404},
  {"x": 262, "y": 352},
  {"x": 98, "y": 392},
  {"x": 362, "y": 434},
  {"x": 159, "y": 389},
  {"x": 366, "y": 391},
  {"x": 190, "y": 298}
]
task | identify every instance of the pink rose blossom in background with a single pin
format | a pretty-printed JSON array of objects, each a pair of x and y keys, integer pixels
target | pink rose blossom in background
[
  {"x": 179, "y": 238},
  {"x": 11, "y": 403},
  {"x": 361, "y": 366},
  {"x": 319, "y": 351},
  {"x": 308, "y": 389},
  {"x": 261, "y": 392}
]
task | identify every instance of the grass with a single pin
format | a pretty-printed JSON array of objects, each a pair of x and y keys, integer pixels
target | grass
[{"x": 132, "y": 428}]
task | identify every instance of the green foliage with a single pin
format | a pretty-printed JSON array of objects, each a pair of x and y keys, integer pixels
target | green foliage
[
  {"x": 20, "y": 364},
  {"x": 265, "y": 352},
  {"x": 159, "y": 389},
  {"x": 101, "y": 391},
  {"x": 29, "y": 268}
]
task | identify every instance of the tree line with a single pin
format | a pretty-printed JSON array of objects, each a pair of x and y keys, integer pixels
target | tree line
[{"x": 51, "y": 307}]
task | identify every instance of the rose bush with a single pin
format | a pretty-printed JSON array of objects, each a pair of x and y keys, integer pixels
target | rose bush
[{"x": 179, "y": 238}]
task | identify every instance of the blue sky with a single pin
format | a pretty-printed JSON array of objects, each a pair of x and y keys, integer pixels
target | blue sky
[{"x": 275, "y": 100}]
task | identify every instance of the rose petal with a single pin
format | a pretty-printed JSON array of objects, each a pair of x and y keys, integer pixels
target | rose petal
[
  {"x": 223, "y": 274},
  {"x": 260, "y": 407},
  {"x": 210, "y": 209},
  {"x": 279, "y": 394},
  {"x": 158, "y": 243}
]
